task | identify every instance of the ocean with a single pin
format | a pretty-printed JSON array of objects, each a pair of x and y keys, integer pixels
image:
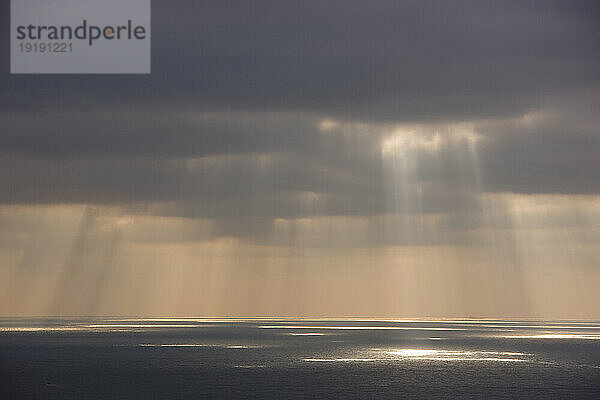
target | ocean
[{"x": 286, "y": 358}]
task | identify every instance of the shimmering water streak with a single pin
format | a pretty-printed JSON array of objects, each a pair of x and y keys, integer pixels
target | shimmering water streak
[
  {"x": 223, "y": 346},
  {"x": 469, "y": 359},
  {"x": 151, "y": 326},
  {"x": 528, "y": 329},
  {"x": 555, "y": 336},
  {"x": 353, "y": 328},
  {"x": 415, "y": 358},
  {"x": 173, "y": 345},
  {"x": 452, "y": 355},
  {"x": 430, "y": 352},
  {"x": 243, "y": 355},
  {"x": 433, "y": 355},
  {"x": 306, "y": 334},
  {"x": 343, "y": 359}
]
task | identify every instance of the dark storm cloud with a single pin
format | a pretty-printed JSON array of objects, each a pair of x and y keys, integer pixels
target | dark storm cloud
[
  {"x": 559, "y": 154},
  {"x": 228, "y": 126},
  {"x": 165, "y": 134},
  {"x": 378, "y": 60},
  {"x": 333, "y": 174},
  {"x": 562, "y": 159},
  {"x": 256, "y": 166}
]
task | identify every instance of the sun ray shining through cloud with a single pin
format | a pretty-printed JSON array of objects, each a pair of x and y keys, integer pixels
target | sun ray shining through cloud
[{"x": 449, "y": 172}]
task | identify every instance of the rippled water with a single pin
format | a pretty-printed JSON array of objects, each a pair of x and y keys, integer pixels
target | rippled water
[{"x": 114, "y": 358}]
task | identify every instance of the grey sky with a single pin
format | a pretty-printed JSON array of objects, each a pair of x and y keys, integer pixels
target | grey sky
[{"x": 318, "y": 125}]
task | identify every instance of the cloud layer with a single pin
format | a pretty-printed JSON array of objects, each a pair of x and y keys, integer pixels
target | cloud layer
[{"x": 451, "y": 133}]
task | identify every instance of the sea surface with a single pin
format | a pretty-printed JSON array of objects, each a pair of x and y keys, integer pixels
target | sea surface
[{"x": 265, "y": 358}]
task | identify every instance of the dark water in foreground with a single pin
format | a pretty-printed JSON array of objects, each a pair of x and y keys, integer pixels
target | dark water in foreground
[{"x": 285, "y": 358}]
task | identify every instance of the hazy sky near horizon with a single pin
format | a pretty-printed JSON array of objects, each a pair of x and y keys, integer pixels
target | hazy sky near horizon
[{"x": 384, "y": 158}]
